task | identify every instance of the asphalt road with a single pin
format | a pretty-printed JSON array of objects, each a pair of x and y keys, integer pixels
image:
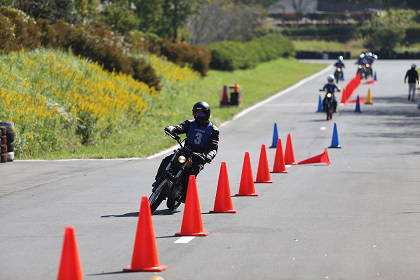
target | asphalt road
[{"x": 356, "y": 219}]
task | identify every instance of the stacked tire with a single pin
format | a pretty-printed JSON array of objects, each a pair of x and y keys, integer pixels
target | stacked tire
[{"x": 7, "y": 141}]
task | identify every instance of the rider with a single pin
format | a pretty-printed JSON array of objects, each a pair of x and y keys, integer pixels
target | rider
[
  {"x": 202, "y": 139},
  {"x": 361, "y": 60},
  {"x": 330, "y": 87},
  {"x": 339, "y": 63}
]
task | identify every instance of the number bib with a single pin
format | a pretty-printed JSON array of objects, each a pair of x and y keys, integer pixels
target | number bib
[{"x": 199, "y": 135}]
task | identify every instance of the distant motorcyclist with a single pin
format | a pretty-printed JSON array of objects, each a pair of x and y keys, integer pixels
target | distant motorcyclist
[
  {"x": 202, "y": 139},
  {"x": 330, "y": 87},
  {"x": 362, "y": 59},
  {"x": 340, "y": 63},
  {"x": 338, "y": 73},
  {"x": 370, "y": 57}
]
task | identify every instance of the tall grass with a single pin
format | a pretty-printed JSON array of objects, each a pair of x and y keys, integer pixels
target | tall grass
[{"x": 60, "y": 102}]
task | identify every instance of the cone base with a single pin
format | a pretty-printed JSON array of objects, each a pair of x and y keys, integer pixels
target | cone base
[
  {"x": 251, "y": 194},
  {"x": 314, "y": 163},
  {"x": 225, "y": 211},
  {"x": 146, "y": 269},
  {"x": 280, "y": 171},
  {"x": 264, "y": 182},
  {"x": 191, "y": 234},
  {"x": 334, "y": 147},
  {"x": 368, "y": 103},
  {"x": 272, "y": 147}
]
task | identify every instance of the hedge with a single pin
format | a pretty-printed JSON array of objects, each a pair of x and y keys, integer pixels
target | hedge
[
  {"x": 231, "y": 55},
  {"x": 20, "y": 31},
  {"x": 181, "y": 53}
]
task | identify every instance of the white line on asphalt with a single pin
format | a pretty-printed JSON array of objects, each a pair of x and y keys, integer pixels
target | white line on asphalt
[
  {"x": 184, "y": 239},
  {"x": 323, "y": 128},
  {"x": 290, "y": 105},
  {"x": 277, "y": 95},
  {"x": 246, "y": 111}
]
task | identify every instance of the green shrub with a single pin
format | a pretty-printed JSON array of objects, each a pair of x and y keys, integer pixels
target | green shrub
[
  {"x": 384, "y": 39},
  {"x": 18, "y": 30},
  {"x": 145, "y": 42},
  {"x": 230, "y": 55},
  {"x": 100, "y": 46},
  {"x": 197, "y": 57}
]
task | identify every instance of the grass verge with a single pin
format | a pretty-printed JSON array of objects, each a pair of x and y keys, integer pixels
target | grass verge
[
  {"x": 47, "y": 92},
  {"x": 174, "y": 106}
]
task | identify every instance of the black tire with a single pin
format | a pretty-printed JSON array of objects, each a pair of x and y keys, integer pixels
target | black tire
[
  {"x": 159, "y": 194},
  {"x": 11, "y": 147},
  {"x": 172, "y": 204}
]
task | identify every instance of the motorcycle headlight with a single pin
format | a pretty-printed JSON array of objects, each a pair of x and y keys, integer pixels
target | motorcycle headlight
[
  {"x": 367, "y": 65},
  {"x": 329, "y": 95},
  {"x": 182, "y": 159},
  {"x": 360, "y": 66},
  {"x": 338, "y": 69}
]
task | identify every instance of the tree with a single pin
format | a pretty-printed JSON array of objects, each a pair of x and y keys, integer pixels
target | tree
[
  {"x": 49, "y": 9},
  {"x": 149, "y": 13},
  {"x": 219, "y": 21},
  {"x": 120, "y": 16}
]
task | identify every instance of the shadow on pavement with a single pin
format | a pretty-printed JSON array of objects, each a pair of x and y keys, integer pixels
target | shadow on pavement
[
  {"x": 136, "y": 214},
  {"x": 126, "y": 215},
  {"x": 107, "y": 273}
]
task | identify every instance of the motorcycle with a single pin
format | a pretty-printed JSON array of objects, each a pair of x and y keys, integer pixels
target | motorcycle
[
  {"x": 328, "y": 105},
  {"x": 338, "y": 74},
  {"x": 365, "y": 70},
  {"x": 168, "y": 184},
  {"x": 361, "y": 69}
]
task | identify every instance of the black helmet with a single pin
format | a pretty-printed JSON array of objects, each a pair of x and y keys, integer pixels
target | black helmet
[{"x": 201, "y": 112}]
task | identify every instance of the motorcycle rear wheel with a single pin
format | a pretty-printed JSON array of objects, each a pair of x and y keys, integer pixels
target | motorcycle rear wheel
[{"x": 159, "y": 194}]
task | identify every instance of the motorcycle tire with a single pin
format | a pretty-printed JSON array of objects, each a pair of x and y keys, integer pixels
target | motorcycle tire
[
  {"x": 159, "y": 194},
  {"x": 172, "y": 204}
]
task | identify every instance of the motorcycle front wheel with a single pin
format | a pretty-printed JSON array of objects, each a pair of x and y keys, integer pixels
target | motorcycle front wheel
[{"x": 159, "y": 194}]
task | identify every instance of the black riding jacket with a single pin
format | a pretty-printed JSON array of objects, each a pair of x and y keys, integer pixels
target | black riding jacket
[
  {"x": 210, "y": 151},
  {"x": 412, "y": 76}
]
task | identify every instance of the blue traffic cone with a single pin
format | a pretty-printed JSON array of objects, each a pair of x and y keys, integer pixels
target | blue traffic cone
[
  {"x": 275, "y": 137},
  {"x": 357, "y": 110},
  {"x": 320, "y": 107},
  {"x": 334, "y": 142},
  {"x": 374, "y": 76},
  {"x": 342, "y": 75}
]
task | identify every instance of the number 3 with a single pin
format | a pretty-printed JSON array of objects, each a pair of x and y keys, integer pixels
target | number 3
[{"x": 197, "y": 139}]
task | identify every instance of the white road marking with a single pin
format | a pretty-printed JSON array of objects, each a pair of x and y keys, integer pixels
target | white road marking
[
  {"x": 290, "y": 105},
  {"x": 323, "y": 128},
  {"x": 184, "y": 239},
  {"x": 259, "y": 104}
]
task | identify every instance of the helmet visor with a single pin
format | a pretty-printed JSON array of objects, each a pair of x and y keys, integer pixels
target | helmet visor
[{"x": 199, "y": 113}]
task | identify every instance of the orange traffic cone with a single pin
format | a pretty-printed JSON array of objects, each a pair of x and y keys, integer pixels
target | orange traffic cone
[
  {"x": 279, "y": 164},
  {"x": 322, "y": 158},
  {"x": 263, "y": 173},
  {"x": 192, "y": 224},
  {"x": 70, "y": 268},
  {"x": 289, "y": 154},
  {"x": 223, "y": 202},
  {"x": 224, "y": 100},
  {"x": 369, "y": 98},
  {"x": 145, "y": 257},
  {"x": 246, "y": 187}
]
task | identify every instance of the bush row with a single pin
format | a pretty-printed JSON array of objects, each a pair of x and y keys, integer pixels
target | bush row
[
  {"x": 97, "y": 43},
  {"x": 346, "y": 32},
  {"x": 181, "y": 53},
  {"x": 411, "y": 35},
  {"x": 230, "y": 55}
]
